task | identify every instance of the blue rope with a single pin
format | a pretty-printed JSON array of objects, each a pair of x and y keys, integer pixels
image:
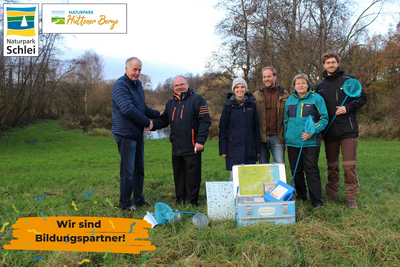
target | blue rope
[
  {"x": 297, "y": 163},
  {"x": 326, "y": 130}
]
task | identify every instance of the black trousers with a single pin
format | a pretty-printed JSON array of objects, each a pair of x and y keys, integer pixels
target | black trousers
[
  {"x": 187, "y": 177},
  {"x": 308, "y": 164}
]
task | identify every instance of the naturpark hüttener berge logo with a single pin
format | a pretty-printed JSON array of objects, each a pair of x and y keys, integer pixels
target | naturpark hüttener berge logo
[
  {"x": 58, "y": 17},
  {"x": 21, "y": 36},
  {"x": 84, "y": 18}
]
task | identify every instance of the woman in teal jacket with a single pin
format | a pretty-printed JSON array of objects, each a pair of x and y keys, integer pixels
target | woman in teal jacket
[{"x": 301, "y": 104}]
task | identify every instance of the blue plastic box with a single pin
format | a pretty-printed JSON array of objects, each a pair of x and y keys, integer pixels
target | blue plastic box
[{"x": 280, "y": 192}]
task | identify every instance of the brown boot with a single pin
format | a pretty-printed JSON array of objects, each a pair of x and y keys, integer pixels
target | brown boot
[
  {"x": 331, "y": 187},
  {"x": 352, "y": 205},
  {"x": 351, "y": 182}
]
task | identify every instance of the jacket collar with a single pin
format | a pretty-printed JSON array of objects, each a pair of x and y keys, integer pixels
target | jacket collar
[
  {"x": 339, "y": 72},
  {"x": 135, "y": 84},
  {"x": 184, "y": 95},
  {"x": 280, "y": 89},
  {"x": 272, "y": 88},
  {"x": 231, "y": 100},
  {"x": 310, "y": 90}
]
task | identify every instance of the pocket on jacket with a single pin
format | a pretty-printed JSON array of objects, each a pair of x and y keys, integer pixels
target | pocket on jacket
[
  {"x": 292, "y": 111},
  {"x": 309, "y": 109}
]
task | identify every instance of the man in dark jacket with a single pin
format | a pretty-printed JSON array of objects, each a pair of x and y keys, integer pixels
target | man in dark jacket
[
  {"x": 130, "y": 116},
  {"x": 343, "y": 132},
  {"x": 187, "y": 114}
]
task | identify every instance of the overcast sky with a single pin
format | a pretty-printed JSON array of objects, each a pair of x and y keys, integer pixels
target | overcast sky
[{"x": 171, "y": 37}]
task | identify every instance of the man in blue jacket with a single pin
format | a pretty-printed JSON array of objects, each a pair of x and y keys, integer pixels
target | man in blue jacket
[
  {"x": 187, "y": 114},
  {"x": 130, "y": 116}
]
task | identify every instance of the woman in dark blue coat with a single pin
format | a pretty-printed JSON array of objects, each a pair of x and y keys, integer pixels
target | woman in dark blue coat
[{"x": 239, "y": 128}]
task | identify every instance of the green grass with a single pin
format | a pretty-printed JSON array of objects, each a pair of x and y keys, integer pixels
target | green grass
[
  {"x": 64, "y": 165},
  {"x": 58, "y": 20}
]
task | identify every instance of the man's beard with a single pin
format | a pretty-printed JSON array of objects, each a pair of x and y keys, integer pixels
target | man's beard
[{"x": 271, "y": 86}]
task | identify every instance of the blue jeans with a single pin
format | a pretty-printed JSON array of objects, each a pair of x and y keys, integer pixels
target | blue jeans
[
  {"x": 131, "y": 171},
  {"x": 277, "y": 150}
]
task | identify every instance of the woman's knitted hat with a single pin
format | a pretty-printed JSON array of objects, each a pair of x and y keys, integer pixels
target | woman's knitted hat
[{"x": 238, "y": 81}]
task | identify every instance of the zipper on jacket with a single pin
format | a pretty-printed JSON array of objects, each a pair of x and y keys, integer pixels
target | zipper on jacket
[
  {"x": 173, "y": 114},
  {"x": 301, "y": 110},
  {"x": 182, "y": 110},
  {"x": 270, "y": 115},
  {"x": 351, "y": 124}
]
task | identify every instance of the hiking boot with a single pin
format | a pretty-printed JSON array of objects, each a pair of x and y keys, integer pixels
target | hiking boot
[
  {"x": 352, "y": 205},
  {"x": 318, "y": 206},
  {"x": 131, "y": 209},
  {"x": 145, "y": 203}
]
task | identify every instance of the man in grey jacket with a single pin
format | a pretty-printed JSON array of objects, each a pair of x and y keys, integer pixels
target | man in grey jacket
[{"x": 130, "y": 116}]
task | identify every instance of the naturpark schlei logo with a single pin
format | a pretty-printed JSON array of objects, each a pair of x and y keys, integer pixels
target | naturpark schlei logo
[
  {"x": 84, "y": 18},
  {"x": 20, "y": 30}
]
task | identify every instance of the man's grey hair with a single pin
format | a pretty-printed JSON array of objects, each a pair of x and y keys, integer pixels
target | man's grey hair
[
  {"x": 274, "y": 72},
  {"x": 129, "y": 61},
  {"x": 180, "y": 76}
]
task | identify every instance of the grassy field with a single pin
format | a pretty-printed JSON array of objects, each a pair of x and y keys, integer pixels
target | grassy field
[{"x": 64, "y": 165}]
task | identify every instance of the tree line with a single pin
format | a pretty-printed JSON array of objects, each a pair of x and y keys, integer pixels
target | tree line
[{"x": 290, "y": 35}]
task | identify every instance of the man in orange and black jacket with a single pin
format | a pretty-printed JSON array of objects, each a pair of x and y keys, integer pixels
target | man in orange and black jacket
[{"x": 187, "y": 114}]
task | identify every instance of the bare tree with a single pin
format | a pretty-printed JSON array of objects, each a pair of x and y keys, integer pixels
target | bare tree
[
  {"x": 290, "y": 35},
  {"x": 164, "y": 91},
  {"x": 28, "y": 82},
  {"x": 90, "y": 67},
  {"x": 146, "y": 82}
]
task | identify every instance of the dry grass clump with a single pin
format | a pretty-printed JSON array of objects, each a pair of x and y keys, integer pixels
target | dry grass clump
[
  {"x": 388, "y": 129},
  {"x": 99, "y": 132}
]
